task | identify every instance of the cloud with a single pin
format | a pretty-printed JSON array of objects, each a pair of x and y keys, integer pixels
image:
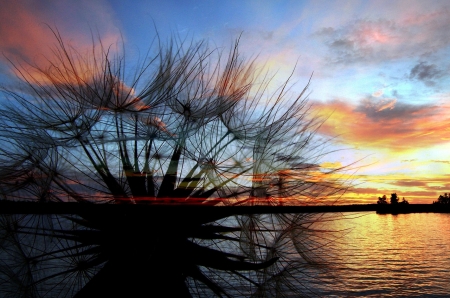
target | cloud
[
  {"x": 387, "y": 104},
  {"x": 441, "y": 161},
  {"x": 373, "y": 41},
  {"x": 410, "y": 183},
  {"x": 386, "y": 109},
  {"x": 386, "y": 123},
  {"x": 26, "y": 37},
  {"x": 366, "y": 190},
  {"x": 426, "y": 73},
  {"x": 378, "y": 93}
]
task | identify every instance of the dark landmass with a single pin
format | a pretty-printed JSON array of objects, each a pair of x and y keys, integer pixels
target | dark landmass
[
  {"x": 412, "y": 208},
  {"x": 11, "y": 207}
]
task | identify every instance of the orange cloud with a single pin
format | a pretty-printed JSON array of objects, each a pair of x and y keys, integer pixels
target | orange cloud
[
  {"x": 26, "y": 37},
  {"x": 386, "y": 124}
]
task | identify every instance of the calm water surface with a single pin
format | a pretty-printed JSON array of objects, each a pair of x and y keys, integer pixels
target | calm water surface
[{"x": 405, "y": 255}]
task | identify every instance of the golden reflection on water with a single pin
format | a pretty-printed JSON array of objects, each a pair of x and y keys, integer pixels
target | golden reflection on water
[{"x": 405, "y": 255}]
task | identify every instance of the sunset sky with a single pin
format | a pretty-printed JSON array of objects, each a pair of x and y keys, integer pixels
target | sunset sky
[{"x": 381, "y": 68}]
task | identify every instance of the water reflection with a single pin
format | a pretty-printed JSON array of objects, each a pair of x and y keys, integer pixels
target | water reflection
[
  {"x": 367, "y": 255},
  {"x": 405, "y": 255}
]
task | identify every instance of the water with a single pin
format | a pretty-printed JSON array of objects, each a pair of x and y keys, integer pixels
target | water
[{"x": 405, "y": 255}]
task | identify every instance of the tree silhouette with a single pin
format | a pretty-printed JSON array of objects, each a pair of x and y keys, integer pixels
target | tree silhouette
[
  {"x": 404, "y": 202},
  {"x": 189, "y": 126},
  {"x": 382, "y": 200},
  {"x": 443, "y": 199},
  {"x": 394, "y": 199}
]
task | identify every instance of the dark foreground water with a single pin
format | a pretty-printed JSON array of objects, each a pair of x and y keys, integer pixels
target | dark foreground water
[
  {"x": 366, "y": 255},
  {"x": 405, "y": 255}
]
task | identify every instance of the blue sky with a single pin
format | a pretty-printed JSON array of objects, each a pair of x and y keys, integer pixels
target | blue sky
[{"x": 381, "y": 68}]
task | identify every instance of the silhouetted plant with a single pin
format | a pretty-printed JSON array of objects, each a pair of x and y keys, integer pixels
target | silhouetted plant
[
  {"x": 404, "y": 202},
  {"x": 394, "y": 199},
  {"x": 187, "y": 127},
  {"x": 443, "y": 199},
  {"x": 382, "y": 200}
]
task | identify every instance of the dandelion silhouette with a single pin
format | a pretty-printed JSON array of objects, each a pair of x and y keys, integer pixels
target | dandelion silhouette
[{"x": 189, "y": 128}]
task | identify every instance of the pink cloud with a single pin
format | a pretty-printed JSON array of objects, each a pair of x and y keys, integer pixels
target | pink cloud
[
  {"x": 412, "y": 34},
  {"x": 25, "y": 28}
]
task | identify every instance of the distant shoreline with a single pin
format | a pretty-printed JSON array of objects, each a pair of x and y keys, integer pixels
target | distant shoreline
[{"x": 11, "y": 207}]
